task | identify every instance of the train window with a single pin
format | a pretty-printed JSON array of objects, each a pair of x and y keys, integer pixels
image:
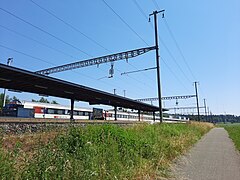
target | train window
[
  {"x": 59, "y": 111},
  {"x": 55, "y": 111},
  {"x": 50, "y": 111},
  {"x": 81, "y": 113},
  {"x": 75, "y": 112}
]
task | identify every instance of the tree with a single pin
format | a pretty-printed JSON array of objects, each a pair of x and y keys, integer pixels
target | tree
[
  {"x": 54, "y": 102},
  {"x": 44, "y": 100},
  {"x": 1, "y": 100},
  {"x": 14, "y": 98}
]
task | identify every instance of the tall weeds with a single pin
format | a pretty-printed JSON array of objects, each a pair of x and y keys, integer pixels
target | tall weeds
[{"x": 111, "y": 152}]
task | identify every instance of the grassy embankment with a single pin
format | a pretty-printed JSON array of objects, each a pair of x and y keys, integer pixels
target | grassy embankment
[
  {"x": 234, "y": 133},
  {"x": 100, "y": 152}
]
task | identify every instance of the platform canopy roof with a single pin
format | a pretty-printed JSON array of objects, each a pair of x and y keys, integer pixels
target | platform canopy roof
[{"x": 22, "y": 80}]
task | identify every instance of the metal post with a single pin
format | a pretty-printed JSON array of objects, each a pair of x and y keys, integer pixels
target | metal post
[
  {"x": 115, "y": 115},
  {"x": 157, "y": 61},
  {"x": 9, "y": 61},
  {"x": 124, "y": 93},
  {"x": 205, "y": 107},
  {"x": 105, "y": 115},
  {"x": 71, "y": 111},
  {"x": 4, "y": 97},
  {"x": 195, "y": 84},
  {"x": 208, "y": 112},
  {"x": 139, "y": 115},
  {"x": 154, "y": 116}
]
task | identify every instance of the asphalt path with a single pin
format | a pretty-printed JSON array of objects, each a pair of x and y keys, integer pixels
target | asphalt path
[{"x": 214, "y": 157}]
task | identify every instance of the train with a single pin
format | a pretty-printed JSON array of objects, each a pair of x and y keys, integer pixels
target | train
[{"x": 28, "y": 109}]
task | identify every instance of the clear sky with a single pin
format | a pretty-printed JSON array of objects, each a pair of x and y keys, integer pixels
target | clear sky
[{"x": 207, "y": 33}]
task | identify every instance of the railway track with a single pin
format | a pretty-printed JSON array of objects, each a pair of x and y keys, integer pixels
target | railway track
[{"x": 62, "y": 121}]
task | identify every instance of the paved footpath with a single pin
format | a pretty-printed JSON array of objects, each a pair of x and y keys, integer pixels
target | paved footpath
[{"x": 213, "y": 158}]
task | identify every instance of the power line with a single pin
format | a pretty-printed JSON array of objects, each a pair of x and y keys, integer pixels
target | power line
[
  {"x": 140, "y": 9},
  {"x": 74, "y": 28},
  {"x": 175, "y": 41},
  {"x": 41, "y": 43},
  {"x": 174, "y": 74},
  {"x": 70, "y": 25},
  {"x": 178, "y": 47},
  {"x": 164, "y": 45},
  {"x": 140, "y": 70},
  {"x": 156, "y": 4},
  {"x": 25, "y": 54},
  {"x": 173, "y": 58},
  {"x": 42, "y": 30},
  {"x": 42, "y": 60},
  {"x": 125, "y": 22},
  {"x": 38, "y": 42},
  {"x": 129, "y": 28}
]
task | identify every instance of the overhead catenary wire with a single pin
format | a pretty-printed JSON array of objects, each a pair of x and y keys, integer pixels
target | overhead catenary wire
[
  {"x": 89, "y": 77},
  {"x": 25, "y": 54},
  {"x": 178, "y": 47},
  {"x": 164, "y": 45},
  {"x": 76, "y": 72},
  {"x": 77, "y": 30},
  {"x": 156, "y": 4},
  {"x": 44, "y": 31},
  {"x": 37, "y": 41},
  {"x": 140, "y": 9},
  {"x": 174, "y": 74},
  {"x": 140, "y": 70},
  {"x": 71, "y": 26},
  {"x": 41, "y": 30},
  {"x": 125, "y": 22},
  {"x": 175, "y": 41},
  {"x": 129, "y": 28}
]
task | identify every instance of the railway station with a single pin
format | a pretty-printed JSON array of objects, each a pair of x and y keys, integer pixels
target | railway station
[{"x": 25, "y": 81}]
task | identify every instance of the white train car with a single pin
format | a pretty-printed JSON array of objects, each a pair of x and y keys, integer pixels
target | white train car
[
  {"x": 133, "y": 116},
  {"x": 46, "y": 110},
  {"x": 56, "y": 111}
]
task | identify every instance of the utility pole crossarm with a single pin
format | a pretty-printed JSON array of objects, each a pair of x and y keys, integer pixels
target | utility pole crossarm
[{"x": 96, "y": 61}]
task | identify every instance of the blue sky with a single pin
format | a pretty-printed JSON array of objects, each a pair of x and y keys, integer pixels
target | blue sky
[{"x": 207, "y": 32}]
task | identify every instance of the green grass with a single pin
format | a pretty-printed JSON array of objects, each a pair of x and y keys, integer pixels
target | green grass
[
  {"x": 234, "y": 134},
  {"x": 105, "y": 152}
]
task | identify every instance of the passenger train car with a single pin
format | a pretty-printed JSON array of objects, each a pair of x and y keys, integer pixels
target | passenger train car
[
  {"x": 56, "y": 111},
  {"x": 148, "y": 117},
  {"x": 44, "y": 110}
]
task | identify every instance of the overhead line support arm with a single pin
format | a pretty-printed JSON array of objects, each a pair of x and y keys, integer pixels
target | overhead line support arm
[
  {"x": 167, "y": 98},
  {"x": 96, "y": 61}
]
